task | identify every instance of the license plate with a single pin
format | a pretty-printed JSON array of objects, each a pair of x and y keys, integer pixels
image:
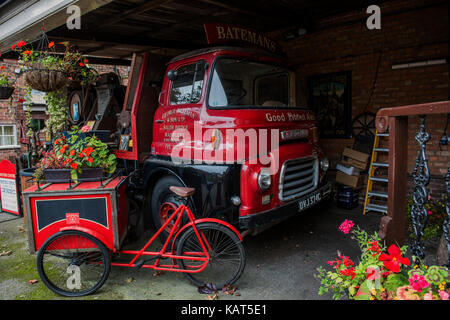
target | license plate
[{"x": 309, "y": 201}]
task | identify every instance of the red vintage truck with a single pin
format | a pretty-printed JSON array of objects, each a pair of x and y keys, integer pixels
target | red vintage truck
[{"x": 222, "y": 120}]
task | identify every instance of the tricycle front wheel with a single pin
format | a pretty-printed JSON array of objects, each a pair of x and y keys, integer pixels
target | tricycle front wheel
[
  {"x": 73, "y": 263},
  {"x": 227, "y": 255}
]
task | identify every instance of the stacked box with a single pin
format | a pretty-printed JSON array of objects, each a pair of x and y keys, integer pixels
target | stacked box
[{"x": 349, "y": 169}]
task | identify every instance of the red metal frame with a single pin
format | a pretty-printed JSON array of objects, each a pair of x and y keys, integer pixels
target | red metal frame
[{"x": 193, "y": 256}]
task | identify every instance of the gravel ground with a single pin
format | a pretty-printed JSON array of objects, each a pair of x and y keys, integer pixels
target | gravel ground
[{"x": 281, "y": 263}]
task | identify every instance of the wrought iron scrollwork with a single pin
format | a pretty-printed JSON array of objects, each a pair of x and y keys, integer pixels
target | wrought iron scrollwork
[
  {"x": 446, "y": 225},
  {"x": 421, "y": 176}
]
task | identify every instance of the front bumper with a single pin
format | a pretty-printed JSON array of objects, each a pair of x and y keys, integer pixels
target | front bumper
[{"x": 275, "y": 215}]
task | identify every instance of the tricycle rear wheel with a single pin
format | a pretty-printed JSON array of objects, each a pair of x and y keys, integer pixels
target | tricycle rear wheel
[
  {"x": 72, "y": 263},
  {"x": 227, "y": 255}
]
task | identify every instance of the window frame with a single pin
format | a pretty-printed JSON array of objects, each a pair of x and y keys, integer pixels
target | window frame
[
  {"x": 15, "y": 144},
  {"x": 203, "y": 84}
]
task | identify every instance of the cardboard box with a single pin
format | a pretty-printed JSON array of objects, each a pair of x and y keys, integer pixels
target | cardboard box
[
  {"x": 349, "y": 180},
  {"x": 355, "y": 159},
  {"x": 347, "y": 169}
]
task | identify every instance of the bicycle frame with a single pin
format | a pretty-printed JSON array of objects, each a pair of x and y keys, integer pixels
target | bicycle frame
[{"x": 195, "y": 256}]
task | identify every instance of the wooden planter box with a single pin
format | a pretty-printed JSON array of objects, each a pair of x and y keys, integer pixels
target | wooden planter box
[{"x": 63, "y": 175}]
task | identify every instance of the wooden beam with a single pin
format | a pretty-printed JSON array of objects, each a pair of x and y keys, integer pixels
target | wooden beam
[
  {"x": 398, "y": 162},
  {"x": 111, "y": 40},
  {"x": 147, "y": 6}
]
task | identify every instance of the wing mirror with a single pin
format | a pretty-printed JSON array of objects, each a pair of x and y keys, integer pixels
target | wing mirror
[{"x": 172, "y": 75}]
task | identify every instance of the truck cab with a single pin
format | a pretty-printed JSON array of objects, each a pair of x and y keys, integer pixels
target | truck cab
[{"x": 224, "y": 121}]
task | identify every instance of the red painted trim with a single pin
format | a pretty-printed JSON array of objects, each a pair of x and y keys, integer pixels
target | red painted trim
[
  {"x": 198, "y": 221},
  {"x": 134, "y": 154},
  {"x": 91, "y": 232}
]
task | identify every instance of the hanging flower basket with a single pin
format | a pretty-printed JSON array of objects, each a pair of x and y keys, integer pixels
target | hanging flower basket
[
  {"x": 45, "y": 80},
  {"x": 6, "y": 92}
]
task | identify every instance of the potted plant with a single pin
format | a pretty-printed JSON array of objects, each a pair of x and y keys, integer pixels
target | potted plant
[
  {"x": 87, "y": 157},
  {"x": 6, "y": 90},
  {"x": 381, "y": 274}
]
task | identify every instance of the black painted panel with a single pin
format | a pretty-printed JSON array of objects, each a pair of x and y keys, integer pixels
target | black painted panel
[{"x": 49, "y": 211}]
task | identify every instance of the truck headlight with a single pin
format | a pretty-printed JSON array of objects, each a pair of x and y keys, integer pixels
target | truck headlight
[
  {"x": 324, "y": 164},
  {"x": 264, "y": 179}
]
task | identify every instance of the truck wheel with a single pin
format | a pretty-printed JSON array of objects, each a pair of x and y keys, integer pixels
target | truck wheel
[{"x": 164, "y": 203}]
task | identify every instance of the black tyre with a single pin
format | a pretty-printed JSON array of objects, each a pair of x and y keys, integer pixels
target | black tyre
[
  {"x": 227, "y": 255},
  {"x": 164, "y": 204},
  {"x": 73, "y": 263}
]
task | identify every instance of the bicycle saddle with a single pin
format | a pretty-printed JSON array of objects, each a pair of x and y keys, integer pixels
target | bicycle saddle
[{"x": 182, "y": 191}]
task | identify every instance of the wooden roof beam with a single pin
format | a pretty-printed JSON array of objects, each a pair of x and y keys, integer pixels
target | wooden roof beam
[{"x": 147, "y": 6}]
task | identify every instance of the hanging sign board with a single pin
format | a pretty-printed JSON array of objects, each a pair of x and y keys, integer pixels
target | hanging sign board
[
  {"x": 227, "y": 33},
  {"x": 8, "y": 188}
]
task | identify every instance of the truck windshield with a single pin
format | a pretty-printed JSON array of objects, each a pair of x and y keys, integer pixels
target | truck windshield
[{"x": 237, "y": 82}]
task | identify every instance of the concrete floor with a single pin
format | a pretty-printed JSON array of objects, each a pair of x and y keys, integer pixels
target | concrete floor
[{"x": 281, "y": 262}]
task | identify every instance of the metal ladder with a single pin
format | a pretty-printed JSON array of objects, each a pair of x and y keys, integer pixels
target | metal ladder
[{"x": 370, "y": 194}]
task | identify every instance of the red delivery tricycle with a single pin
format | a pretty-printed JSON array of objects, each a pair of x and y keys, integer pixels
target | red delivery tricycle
[{"x": 78, "y": 231}]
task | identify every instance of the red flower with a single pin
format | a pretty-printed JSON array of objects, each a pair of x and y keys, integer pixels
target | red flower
[
  {"x": 51, "y": 44},
  {"x": 74, "y": 165},
  {"x": 72, "y": 153},
  {"x": 21, "y": 43},
  {"x": 27, "y": 52},
  {"x": 86, "y": 60},
  {"x": 81, "y": 64},
  {"x": 90, "y": 160},
  {"x": 21, "y": 100},
  {"x": 13, "y": 46},
  {"x": 394, "y": 259},
  {"x": 2, "y": 67},
  {"x": 346, "y": 226},
  {"x": 81, "y": 155},
  {"x": 348, "y": 272}
]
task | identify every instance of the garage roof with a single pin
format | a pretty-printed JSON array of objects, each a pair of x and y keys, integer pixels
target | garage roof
[{"x": 117, "y": 28}]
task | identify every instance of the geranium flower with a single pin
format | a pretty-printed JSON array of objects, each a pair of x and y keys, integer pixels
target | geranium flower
[
  {"x": 394, "y": 259},
  {"x": 81, "y": 64},
  {"x": 86, "y": 61},
  {"x": 13, "y": 46},
  {"x": 444, "y": 295},
  {"x": 2, "y": 67},
  {"x": 28, "y": 52},
  {"x": 428, "y": 296},
  {"x": 51, "y": 44},
  {"x": 346, "y": 226},
  {"x": 74, "y": 165},
  {"x": 72, "y": 153},
  {"x": 348, "y": 272},
  {"x": 418, "y": 282},
  {"x": 21, "y": 43},
  {"x": 90, "y": 160}
]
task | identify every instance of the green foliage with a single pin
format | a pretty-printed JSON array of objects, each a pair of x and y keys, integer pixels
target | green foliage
[
  {"x": 57, "y": 114},
  {"x": 436, "y": 216},
  {"x": 87, "y": 152}
]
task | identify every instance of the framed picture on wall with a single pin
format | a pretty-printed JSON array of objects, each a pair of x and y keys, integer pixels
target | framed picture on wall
[{"x": 330, "y": 97}]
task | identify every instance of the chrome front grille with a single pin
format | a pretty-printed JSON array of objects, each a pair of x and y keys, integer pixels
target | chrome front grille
[{"x": 298, "y": 177}]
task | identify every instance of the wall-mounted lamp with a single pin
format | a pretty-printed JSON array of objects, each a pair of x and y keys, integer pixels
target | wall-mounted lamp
[{"x": 419, "y": 64}]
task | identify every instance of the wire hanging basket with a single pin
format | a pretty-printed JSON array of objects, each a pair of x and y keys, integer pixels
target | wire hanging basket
[
  {"x": 6, "y": 92},
  {"x": 41, "y": 76}
]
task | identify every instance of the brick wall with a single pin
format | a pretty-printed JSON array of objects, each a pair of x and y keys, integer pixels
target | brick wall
[
  {"x": 410, "y": 31},
  {"x": 13, "y": 114}
]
